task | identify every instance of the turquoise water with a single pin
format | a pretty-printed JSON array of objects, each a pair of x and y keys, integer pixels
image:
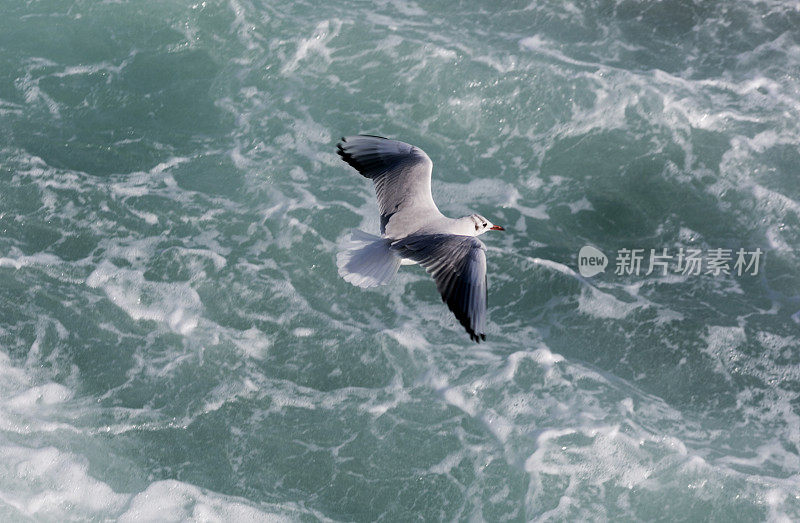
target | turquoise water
[{"x": 175, "y": 342}]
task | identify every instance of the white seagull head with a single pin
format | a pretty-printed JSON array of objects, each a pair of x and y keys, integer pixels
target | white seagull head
[{"x": 476, "y": 225}]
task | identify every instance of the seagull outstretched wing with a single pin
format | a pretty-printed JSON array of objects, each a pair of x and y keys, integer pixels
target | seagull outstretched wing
[
  {"x": 458, "y": 265},
  {"x": 401, "y": 174}
]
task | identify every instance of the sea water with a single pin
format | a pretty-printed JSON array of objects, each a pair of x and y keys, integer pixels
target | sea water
[{"x": 176, "y": 343}]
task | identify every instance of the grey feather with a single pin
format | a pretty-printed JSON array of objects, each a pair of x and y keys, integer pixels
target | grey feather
[
  {"x": 401, "y": 174},
  {"x": 368, "y": 260},
  {"x": 458, "y": 265}
]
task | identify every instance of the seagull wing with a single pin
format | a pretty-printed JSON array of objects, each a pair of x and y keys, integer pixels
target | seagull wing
[
  {"x": 402, "y": 177},
  {"x": 458, "y": 265}
]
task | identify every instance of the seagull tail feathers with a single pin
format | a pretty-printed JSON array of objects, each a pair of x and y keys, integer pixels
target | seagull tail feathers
[{"x": 367, "y": 260}]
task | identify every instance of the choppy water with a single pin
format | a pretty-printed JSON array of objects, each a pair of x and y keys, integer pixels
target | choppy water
[{"x": 176, "y": 342}]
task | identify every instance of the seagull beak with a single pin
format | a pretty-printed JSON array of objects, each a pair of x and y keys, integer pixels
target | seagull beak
[{"x": 496, "y": 228}]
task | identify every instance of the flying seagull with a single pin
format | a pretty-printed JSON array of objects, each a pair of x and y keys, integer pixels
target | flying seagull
[{"x": 414, "y": 231}]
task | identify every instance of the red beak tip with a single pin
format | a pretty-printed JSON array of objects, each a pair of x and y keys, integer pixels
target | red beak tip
[{"x": 496, "y": 228}]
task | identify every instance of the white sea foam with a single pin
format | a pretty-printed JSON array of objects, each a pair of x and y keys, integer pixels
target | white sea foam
[
  {"x": 46, "y": 483},
  {"x": 175, "y": 304},
  {"x": 302, "y": 332},
  {"x": 603, "y": 305},
  {"x": 177, "y": 501},
  {"x": 324, "y": 32},
  {"x": 29, "y": 86},
  {"x": 722, "y": 343},
  {"x": 253, "y": 343},
  {"x": 47, "y": 394},
  {"x": 30, "y": 401},
  {"x": 581, "y": 205},
  {"x": 34, "y": 260},
  {"x": 246, "y": 30}
]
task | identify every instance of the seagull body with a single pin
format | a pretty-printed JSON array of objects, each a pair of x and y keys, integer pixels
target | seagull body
[{"x": 414, "y": 231}]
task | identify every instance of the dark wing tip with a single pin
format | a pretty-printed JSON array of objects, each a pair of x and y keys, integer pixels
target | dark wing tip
[
  {"x": 465, "y": 320},
  {"x": 477, "y": 337},
  {"x": 360, "y": 157},
  {"x": 349, "y": 159},
  {"x": 343, "y": 139}
]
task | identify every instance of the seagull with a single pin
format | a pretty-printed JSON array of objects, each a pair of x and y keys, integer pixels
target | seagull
[{"x": 414, "y": 231}]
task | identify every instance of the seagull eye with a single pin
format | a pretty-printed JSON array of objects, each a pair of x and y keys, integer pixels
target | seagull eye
[{"x": 484, "y": 225}]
